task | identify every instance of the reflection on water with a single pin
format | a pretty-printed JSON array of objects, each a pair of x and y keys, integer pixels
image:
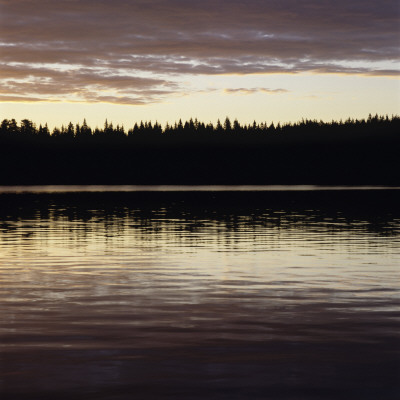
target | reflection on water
[{"x": 193, "y": 295}]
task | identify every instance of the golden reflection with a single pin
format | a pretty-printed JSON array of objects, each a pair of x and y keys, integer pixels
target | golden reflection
[
  {"x": 67, "y": 236},
  {"x": 112, "y": 292}
]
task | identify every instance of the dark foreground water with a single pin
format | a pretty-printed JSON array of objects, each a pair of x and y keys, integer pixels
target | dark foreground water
[{"x": 200, "y": 295}]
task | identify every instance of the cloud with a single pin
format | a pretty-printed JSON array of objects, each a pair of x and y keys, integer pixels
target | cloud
[
  {"x": 91, "y": 85},
  {"x": 254, "y": 90},
  {"x": 25, "y": 99},
  {"x": 137, "y": 49}
]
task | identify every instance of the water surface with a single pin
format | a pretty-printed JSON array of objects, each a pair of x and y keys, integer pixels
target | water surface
[{"x": 266, "y": 294}]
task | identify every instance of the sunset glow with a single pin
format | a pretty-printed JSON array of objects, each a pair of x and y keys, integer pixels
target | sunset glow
[{"x": 159, "y": 60}]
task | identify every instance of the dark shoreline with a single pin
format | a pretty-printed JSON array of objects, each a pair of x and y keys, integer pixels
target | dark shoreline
[
  {"x": 375, "y": 164},
  {"x": 309, "y": 153}
]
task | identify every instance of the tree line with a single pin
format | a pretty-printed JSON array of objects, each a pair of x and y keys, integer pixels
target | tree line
[
  {"x": 27, "y": 129},
  {"x": 354, "y": 151}
]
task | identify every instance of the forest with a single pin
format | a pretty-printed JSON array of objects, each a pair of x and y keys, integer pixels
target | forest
[{"x": 350, "y": 152}]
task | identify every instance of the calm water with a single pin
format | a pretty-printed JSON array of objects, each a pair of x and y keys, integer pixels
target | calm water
[{"x": 280, "y": 294}]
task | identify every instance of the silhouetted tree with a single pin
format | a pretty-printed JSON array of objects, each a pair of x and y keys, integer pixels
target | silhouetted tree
[
  {"x": 227, "y": 125},
  {"x": 43, "y": 131},
  {"x": 27, "y": 127}
]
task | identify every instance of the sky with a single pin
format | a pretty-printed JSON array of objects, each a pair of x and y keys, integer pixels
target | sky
[{"x": 161, "y": 60}]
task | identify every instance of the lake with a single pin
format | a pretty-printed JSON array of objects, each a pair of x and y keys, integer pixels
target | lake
[{"x": 199, "y": 293}]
